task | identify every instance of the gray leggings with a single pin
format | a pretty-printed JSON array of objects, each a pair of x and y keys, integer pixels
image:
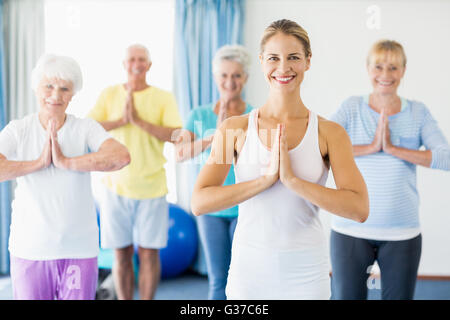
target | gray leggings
[{"x": 352, "y": 257}]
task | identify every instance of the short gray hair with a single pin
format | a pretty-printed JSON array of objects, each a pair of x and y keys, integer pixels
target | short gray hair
[
  {"x": 234, "y": 52},
  {"x": 138, "y": 46},
  {"x": 61, "y": 67}
]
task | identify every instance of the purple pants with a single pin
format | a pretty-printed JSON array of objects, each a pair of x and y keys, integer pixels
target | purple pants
[{"x": 62, "y": 279}]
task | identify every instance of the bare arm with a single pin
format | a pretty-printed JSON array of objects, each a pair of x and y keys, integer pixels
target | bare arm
[
  {"x": 10, "y": 170},
  {"x": 187, "y": 146},
  {"x": 165, "y": 134},
  {"x": 111, "y": 156},
  {"x": 111, "y": 125},
  {"x": 209, "y": 194},
  {"x": 124, "y": 120},
  {"x": 162, "y": 133},
  {"x": 419, "y": 157},
  {"x": 131, "y": 115},
  {"x": 364, "y": 149},
  {"x": 382, "y": 142},
  {"x": 350, "y": 198}
]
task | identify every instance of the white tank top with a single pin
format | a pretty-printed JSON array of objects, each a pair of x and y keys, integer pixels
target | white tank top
[{"x": 279, "y": 246}]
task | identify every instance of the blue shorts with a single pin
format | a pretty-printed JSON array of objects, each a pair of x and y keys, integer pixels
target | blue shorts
[{"x": 125, "y": 221}]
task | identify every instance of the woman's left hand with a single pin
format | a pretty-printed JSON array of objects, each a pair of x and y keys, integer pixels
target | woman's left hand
[
  {"x": 131, "y": 112},
  {"x": 222, "y": 114},
  {"x": 58, "y": 158},
  {"x": 387, "y": 144},
  {"x": 286, "y": 173}
]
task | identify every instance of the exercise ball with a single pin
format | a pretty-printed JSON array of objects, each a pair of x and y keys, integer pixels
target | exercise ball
[{"x": 182, "y": 243}]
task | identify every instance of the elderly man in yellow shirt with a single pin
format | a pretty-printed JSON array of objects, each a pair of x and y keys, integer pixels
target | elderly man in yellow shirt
[{"x": 133, "y": 206}]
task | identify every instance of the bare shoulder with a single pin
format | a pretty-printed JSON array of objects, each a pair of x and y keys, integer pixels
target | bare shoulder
[
  {"x": 235, "y": 122},
  {"x": 330, "y": 129},
  {"x": 330, "y": 133},
  {"x": 235, "y": 128}
]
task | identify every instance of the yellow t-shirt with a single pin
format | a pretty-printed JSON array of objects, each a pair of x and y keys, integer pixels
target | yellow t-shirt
[{"x": 145, "y": 176}]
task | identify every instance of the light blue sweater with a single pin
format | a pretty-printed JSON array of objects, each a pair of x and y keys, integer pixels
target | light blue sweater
[{"x": 391, "y": 182}]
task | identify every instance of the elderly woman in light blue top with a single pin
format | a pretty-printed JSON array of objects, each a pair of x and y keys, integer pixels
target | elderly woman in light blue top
[
  {"x": 387, "y": 132},
  {"x": 230, "y": 70}
]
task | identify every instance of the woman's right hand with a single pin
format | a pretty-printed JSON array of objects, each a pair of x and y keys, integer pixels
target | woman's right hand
[
  {"x": 127, "y": 108},
  {"x": 272, "y": 173},
  {"x": 222, "y": 114},
  {"x": 377, "y": 143},
  {"x": 45, "y": 159}
]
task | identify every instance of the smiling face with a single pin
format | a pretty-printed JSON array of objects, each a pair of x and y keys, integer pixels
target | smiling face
[
  {"x": 385, "y": 72},
  {"x": 284, "y": 62},
  {"x": 54, "y": 95},
  {"x": 136, "y": 62},
  {"x": 230, "y": 79}
]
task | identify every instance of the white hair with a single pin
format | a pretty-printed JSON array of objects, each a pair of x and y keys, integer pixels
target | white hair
[
  {"x": 234, "y": 52},
  {"x": 54, "y": 66},
  {"x": 138, "y": 46}
]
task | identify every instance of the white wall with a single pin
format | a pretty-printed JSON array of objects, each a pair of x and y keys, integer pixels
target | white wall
[{"x": 341, "y": 33}]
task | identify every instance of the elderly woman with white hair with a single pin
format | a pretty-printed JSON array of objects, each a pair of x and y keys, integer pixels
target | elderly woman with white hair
[
  {"x": 230, "y": 70},
  {"x": 54, "y": 238}
]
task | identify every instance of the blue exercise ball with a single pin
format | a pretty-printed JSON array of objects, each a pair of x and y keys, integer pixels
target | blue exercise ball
[{"x": 182, "y": 243}]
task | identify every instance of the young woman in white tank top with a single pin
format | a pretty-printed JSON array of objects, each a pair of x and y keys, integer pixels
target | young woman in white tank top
[{"x": 282, "y": 152}]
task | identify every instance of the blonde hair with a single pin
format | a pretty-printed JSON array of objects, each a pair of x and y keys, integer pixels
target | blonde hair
[
  {"x": 382, "y": 48},
  {"x": 287, "y": 27}
]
